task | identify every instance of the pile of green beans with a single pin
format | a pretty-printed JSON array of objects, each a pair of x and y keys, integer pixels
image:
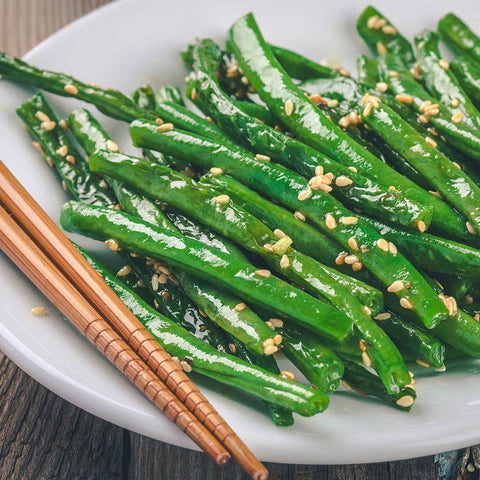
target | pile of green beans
[{"x": 335, "y": 219}]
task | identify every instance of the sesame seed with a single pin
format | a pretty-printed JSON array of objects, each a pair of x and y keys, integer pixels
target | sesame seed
[
  {"x": 357, "y": 266},
  {"x": 477, "y": 317},
  {"x": 368, "y": 108},
  {"x": 318, "y": 170},
  {"x": 287, "y": 374},
  {"x": 277, "y": 339},
  {"x": 71, "y": 89},
  {"x": 330, "y": 222},
  {"x": 240, "y": 306},
  {"x": 159, "y": 121},
  {"x": 372, "y": 21},
  {"x": 270, "y": 350},
  {"x": 43, "y": 117},
  {"x": 340, "y": 260},
  {"x": 166, "y": 127},
  {"x": 38, "y": 147},
  {"x": 38, "y": 311},
  {"x": 471, "y": 228},
  {"x": 112, "y": 245},
  {"x": 194, "y": 94},
  {"x": 432, "y": 131},
  {"x": 155, "y": 283},
  {"x": 216, "y": 171},
  {"x": 455, "y": 102},
  {"x": 269, "y": 324},
  {"x": 393, "y": 74},
  {"x": 70, "y": 159},
  {"x": 112, "y": 146},
  {"x": 424, "y": 105},
  {"x": 284, "y": 262},
  {"x": 457, "y": 117},
  {"x": 49, "y": 161},
  {"x": 186, "y": 366},
  {"x": 50, "y": 125},
  {"x": 392, "y": 248},
  {"x": 381, "y": 87},
  {"x": 431, "y": 141},
  {"x": 353, "y": 244},
  {"x": 405, "y": 303},
  {"x": 263, "y": 273},
  {"x": 383, "y": 316},
  {"x": 432, "y": 112},
  {"x": 300, "y": 216},
  {"x": 382, "y": 244},
  {"x": 93, "y": 84},
  {"x": 277, "y": 322},
  {"x": 443, "y": 63},
  {"x": 389, "y": 30},
  {"x": 64, "y": 186},
  {"x": 332, "y": 103},
  {"x": 362, "y": 345},
  {"x": 124, "y": 271},
  {"x": 422, "y": 119},
  {"x": 62, "y": 150},
  {"x": 353, "y": 169},
  {"x": 279, "y": 233},
  {"x": 304, "y": 195},
  {"x": 342, "y": 71},
  {"x": 366, "y": 359},
  {"x": 232, "y": 347},
  {"x": 222, "y": 199},
  {"x": 262, "y": 158},
  {"x": 343, "y": 181},
  {"x": 316, "y": 98},
  {"x": 405, "y": 401},
  {"x": 349, "y": 220},
  {"x": 422, "y": 363},
  {"x": 351, "y": 259},
  {"x": 435, "y": 194},
  {"x": 404, "y": 98},
  {"x": 288, "y": 108},
  {"x": 421, "y": 225},
  {"x": 457, "y": 165},
  {"x": 396, "y": 286}
]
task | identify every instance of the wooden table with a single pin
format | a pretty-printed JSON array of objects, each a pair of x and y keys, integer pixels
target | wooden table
[{"x": 45, "y": 437}]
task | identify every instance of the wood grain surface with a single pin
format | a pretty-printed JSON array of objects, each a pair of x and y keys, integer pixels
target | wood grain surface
[{"x": 45, "y": 437}]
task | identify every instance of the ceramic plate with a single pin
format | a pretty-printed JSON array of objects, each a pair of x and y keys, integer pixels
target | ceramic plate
[{"x": 129, "y": 43}]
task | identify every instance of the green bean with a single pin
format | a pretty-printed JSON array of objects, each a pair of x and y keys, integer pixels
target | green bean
[{"x": 367, "y": 71}]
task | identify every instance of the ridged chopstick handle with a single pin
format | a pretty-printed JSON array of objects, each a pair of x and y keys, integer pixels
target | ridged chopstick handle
[{"x": 53, "y": 284}]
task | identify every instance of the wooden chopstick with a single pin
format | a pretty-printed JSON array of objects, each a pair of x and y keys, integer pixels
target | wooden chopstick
[
  {"x": 18, "y": 246},
  {"x": 68, "y": 259}
]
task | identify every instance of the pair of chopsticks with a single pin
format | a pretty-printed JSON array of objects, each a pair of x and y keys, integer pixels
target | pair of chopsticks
[{"x": 45, "y": 255}]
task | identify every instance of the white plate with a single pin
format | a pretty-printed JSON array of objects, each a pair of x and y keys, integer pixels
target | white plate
[{"x": 125, "y": 45}]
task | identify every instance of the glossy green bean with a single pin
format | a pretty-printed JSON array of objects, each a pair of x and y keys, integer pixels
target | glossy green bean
[{"x": 367, "y": 71}]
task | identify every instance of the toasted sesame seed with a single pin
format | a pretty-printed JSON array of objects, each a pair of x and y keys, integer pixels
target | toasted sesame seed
[
  {"x": 262, "y": 158},
  {"x": 382, "y": 244},
  {"x": 471, "y": 228},
  {"x": 288, "y": 108},
  {"x": 421, "y": 225},
  {"x": 318, "y": 170},
  {"x": 455, "y": 102},
  {"x": 342, "y": 71},
  {"x": 277, "y": 339},
  {"x": 357, "y": 266},
  {"x": 324, "y": 188},
  {"x": 477, "y": 317},
  {"x": 432, "y": 112},
  {"x": 269, "y": 324},
  {"x": 405, "y": 303},
  {"x": 304, "y": 195},
  {"x": 353, "y": 169},
  {"x": 381, "y": 48},
  {"x": 287, "y": 374},
  {"x": 64, "y": 186},
  {"x": 300, "y": 216},
  {"x": 431, "y": 142},
  {"x": 112, "y": 146},
  {"x": 443, "y": 63},
  {"x": 424, "y": 105},
  {"x": 367, "y": 110},
  {"x": 166, "y": 127},
  {"x": 49, "y": 162},
  {"x": 392, "y": 248},
  {"x": 372, "y": 21},
  {"x": 422, "y": 363},
  {"x": 240, "y": 306},
  {"x": 222, "y": 199},
  {"x": 362, "y": 345},
  {"x": 49, "y": 125},
  {"x": 70, "y": 159},
  {"x": 350, "y": 259},
  {"x": 330, "y": 222},
  {"x": 270, "y": 350},
  {"x": 43, "y": 117},
  {"x": 63, "y": 150},
  {"x": 354, "y": 118},
  {"x": 435, "y": 194},
  {"x": 422, "y": 119},
  {"x": 284, "y": 262},
  {"x": 155, "y": 283},
  {"x": 383, "y": 316},
  {"x": 216, "y": 171},
  {"x": 332, "y": 103},
  {"x": 279, "y": 233},
  {"x": 404, "y": 98},
  {"x": 38, "y": 147},
  {"x": 457, "y": 117},
  {"x": 353, "y": 244},
  {"x": 381, "y": 87},
  {"x": 194, "y": 94},
  {"x": 72, "y": 89},
  {"x": 344, "y": 122},
  {"x": 340, "y": 260},
  {"x": 159, "y": 121},
  {"x": 366, "y": 359},
  {"x": 38, "y": 311},
  {"x": 343, "y": 181},
  {"x": 186, "y": 366},
  {"x": 277, "y": 322},
  {"x": 263, "y": 273},
  {"x": 124, "y": 271},
  {"x": 316, "y": 98},
  {"x": 389, "y": 30},
  {"x": 112, "y": 244},
  {"x": 349, "y": 220},
  {"x": 457, "y": 165},
  {"x": 393, "y": 74},
  {"x": 396, "y": 286},
  {"x": 405, "y": 401},
  {"x": 232, "y": 347}
]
